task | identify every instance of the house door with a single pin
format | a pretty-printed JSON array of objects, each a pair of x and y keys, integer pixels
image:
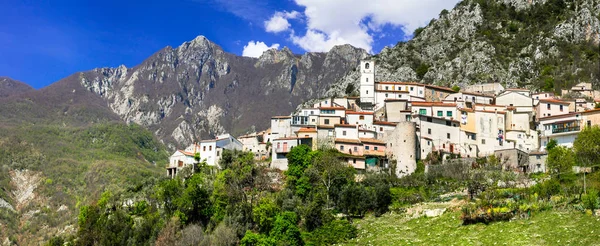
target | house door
[
  {"x": 285, "y": 146},
  {"x": 451, "y": 148}
]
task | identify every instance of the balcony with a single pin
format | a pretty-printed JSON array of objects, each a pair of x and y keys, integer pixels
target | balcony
[{"x": 562, "y": 127}]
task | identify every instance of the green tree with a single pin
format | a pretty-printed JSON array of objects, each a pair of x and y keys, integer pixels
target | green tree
[
  {"x": 264, "y": 214},
  {"x": 456, "y": 88},
  {"x": 587, "y": 148},
  {"x": 286, "y": 231},
  {"x": 560, "y": 162},
  {"x": 299, "y": 159},
  {"x": 551, "y": 144}
]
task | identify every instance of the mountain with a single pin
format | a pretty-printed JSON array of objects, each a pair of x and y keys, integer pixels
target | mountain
[
  {"x": 539, "y": 44},
  {"x": 197, "y": 90},
  {"x": 9, "y": 87}
]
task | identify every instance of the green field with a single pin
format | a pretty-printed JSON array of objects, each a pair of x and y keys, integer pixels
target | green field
[{"x": 544, "y": 228}]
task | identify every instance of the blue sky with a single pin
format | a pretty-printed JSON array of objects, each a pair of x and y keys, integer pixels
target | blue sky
[{"x": 44, "y": 41}]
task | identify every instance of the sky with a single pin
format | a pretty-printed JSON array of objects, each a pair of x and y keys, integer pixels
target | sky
[{"x": 44, "y": 41}]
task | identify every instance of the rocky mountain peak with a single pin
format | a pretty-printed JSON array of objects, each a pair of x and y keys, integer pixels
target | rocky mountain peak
[
  {"x": 275, "y": 55},
  {"x": 10, "y": 87}
]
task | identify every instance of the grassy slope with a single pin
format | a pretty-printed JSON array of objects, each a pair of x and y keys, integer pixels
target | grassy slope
[
  {"x": 545, "y": 228},
  {"x": 76, "y": 163}
]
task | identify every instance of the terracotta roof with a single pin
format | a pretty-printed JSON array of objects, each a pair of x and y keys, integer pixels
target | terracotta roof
[
  {"x": 374, "y": 153},
  {"x": 307, "y": 130},
  {"x": 439, "y": 88},
  {"x": 467, "y": 110},
  {"x": 331, "y": 108},
  {"x": 559, "y": 116},
  {"x": 385, "y": 123},
  {"x": 281, "y": 117},
  {"x": 395, "y": 100},
  {"x": 346, "y": 140},
  {"x": 438, "y": 104},
  {"x": 553, "y": 101},
  {"x": 537, "y": 153},
  {"x": 591, "y": 111},
  {"x": 186, "y": 153},
  {"x": 361, "y": 113},
  {"x": 371, "y": 141},
  {"x": 345, "y": 125},
  {"x": 398, "y": 83},
  {"x": 325, "y": 127},
  {"x": 516, "y": 89}
]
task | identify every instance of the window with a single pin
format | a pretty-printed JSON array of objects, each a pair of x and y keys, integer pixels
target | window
[
  {"x": 411, "y": 88},
  {"x": 387, "y": 88},
  {"x": 589, "y": 123},
  {"x": 422, "y": 111},
  {"x": 548, "y": 106},
  {"x": 448, "y": 135},
  {"x": 341, "y": 147},
  {"x": 367, "y": 65},
  {"x": 355, "y": 149},
  {"x": 375, "y": 148},
  {"x": 354, "y": 161},
  {"x": 538, "y": 157},
  {"x": 482, "y": 141},
  {"x": 326, "y": 121},
  {"x": 367, "y": 92},
  {"x": 428, "y": 130},
  {"x": 386, "y": 95},
  {"x": 210, "y": 148},
  {"x": 313, "y": 120},
  {"x": 343, "y": 133},
  {"x": 362, "y": 117},
  {"x": 561, "y": 108},
  {"x": 204, "y": 148},
  {"x": 440, "y": 113},
  {"x": 366, "y": 147},
  {"x": 420, "y": 92},
  {"x": 449, "y": 113},
  {"x": 367, "y": 80},
  {"x": 428, "y": 142}
]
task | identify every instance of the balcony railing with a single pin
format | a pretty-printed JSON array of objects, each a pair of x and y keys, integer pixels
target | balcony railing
[{"x": 566, "y": 129}]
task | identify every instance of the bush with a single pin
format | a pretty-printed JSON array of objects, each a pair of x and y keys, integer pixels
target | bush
[
  {"x": 590, "y": 200},
  {"x": 336, "y": 231}
]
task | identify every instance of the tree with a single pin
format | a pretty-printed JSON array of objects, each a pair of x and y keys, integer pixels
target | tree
[
  {"x": 455, "y": 88},
  {"x": 560, "y": 162},
  {"x": 587, "y": 148},
  {"x": 332, "y": 172},
  {"x": 264, "y": 214},
  {"x": 285, "y": 229},
  {"x": 299, "y": 159},
  {"x": 551, "y": 144}
]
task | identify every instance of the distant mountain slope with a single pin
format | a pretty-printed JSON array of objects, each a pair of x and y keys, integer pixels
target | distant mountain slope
[
  {"x": 10, "y": 87},
  {"x": 540, "y": 44},
  {"x": 197, "y": 90}
]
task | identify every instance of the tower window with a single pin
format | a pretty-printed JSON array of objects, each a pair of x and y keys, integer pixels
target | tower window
[
  {"x": 366, "y": 79},
  {"x": 367, "y": 92},
  {"x": 367, "y": 65}
]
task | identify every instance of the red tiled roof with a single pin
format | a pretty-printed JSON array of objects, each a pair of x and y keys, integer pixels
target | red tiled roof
[
  {"x": 440, "y": 88},
  {"x": 385, "y": 123},
  {"x": 306, "y": 129},
  {"x": 346, "y": 140},
  {"x": 281, "y": 117},
  {"x": 438, "y": 104},
  {"x": 345, "y": 125},
  {"x": 371, "y": 141},
  {"x": 325, "y": 127},
  {"x": 186, "y": 153},
  {"x": 559, "y": 116},
  {"x": 553, "y": 101},
  {"x": 361, "y": 113}
]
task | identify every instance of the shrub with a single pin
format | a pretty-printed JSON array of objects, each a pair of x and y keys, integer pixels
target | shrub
[
  {"x": 590, "y": 200},
  {"x": 336, "y": 231}
]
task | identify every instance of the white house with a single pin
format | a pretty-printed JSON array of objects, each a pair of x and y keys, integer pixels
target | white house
[{"x": 562, "y": 128}]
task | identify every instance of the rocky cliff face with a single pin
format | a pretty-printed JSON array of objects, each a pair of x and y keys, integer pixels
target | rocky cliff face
[
  {"x": 540, "y": 44},
  {"x": 197, "y": 90}
]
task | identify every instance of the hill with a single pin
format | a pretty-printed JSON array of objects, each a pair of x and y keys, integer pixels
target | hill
[{"x": 543, "y": 45}]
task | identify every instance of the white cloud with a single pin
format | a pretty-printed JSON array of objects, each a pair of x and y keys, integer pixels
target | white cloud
[
  {"x": 255, "y": 49},
  {"x": 335, "y": 22},
  {"x": 279, "y": 21}
]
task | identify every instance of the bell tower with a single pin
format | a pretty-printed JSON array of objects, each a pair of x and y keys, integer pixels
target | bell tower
[{"x": 367, "y": 84}]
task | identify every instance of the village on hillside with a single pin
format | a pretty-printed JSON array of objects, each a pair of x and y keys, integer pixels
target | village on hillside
[{"x": 401, "y": 123}]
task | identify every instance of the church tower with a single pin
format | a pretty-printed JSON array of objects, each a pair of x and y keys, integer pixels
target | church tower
[{"x": 367, "y": 84}]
